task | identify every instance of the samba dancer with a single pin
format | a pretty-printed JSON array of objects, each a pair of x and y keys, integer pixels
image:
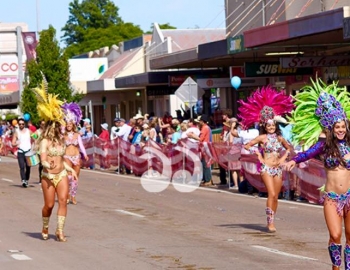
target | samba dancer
[
  {"x": 263, "y": 106},
  {"x": 52, "y": 149},
  {"x": 321, "y": 107},
  {"x": 74, "y": 146}
]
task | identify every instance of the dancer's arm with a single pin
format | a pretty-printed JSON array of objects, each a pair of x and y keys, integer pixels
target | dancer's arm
[
  {"x": 254, "y": 142},
  {"x": 43, "y": 155},
  {"x": 288, "y": 148},
  {"x": 312, "y": 152},
  {"x": 82, "y": 147}
]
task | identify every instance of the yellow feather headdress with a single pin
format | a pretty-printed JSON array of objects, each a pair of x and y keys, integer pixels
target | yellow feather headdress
[{"x": 49, "y": 106}]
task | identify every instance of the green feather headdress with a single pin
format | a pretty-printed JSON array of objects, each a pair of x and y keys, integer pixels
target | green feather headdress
[{"x": 306, "y": 124}]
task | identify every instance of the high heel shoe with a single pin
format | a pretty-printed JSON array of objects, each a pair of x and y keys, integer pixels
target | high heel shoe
[
  {"x": 60, "y": 236},
  {"x": 59, "y": 231},
  {"x": 74, "y": 200},
  {"x": 45, "y": 230}
]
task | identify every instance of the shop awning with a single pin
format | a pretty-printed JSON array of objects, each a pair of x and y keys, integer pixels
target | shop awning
[{"x": 321, "y": 32}]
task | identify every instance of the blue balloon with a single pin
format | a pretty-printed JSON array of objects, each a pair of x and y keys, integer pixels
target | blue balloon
[
  {"x": 26, "y": 117},
  {"x": 236, "y": 82}
]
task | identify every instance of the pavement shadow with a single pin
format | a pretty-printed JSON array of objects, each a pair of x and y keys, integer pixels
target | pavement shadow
[
  {"x": 255, "y": 227},
  {"x": 20, "y": 186},
  {"x": 37, "y": 235}
]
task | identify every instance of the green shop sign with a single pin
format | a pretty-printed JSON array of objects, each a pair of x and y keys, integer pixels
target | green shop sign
[{"x": 271, "y": 69}]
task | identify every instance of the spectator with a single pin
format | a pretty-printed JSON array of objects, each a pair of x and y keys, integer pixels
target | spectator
[
  {"x": 224, "y": 137},
  {"x": 204, "y": 137},
  {"x": 235, "y": 166},
  {"x": 86, "y": 121},
  {"x": 115, "y": 128},
  {"x": 139, "y": 119},
  {"x": 192, "y": 128},
  {"x": 88, "y": 133},
  {"x": 173, "y": 135},
  {"x": 137, "y": 135},
  {"x": 104, "y": 135},
  {"x": 22, "y": 139}
]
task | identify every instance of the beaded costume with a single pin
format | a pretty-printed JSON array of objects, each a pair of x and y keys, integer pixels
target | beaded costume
[
  {"x": 49, "y": 110},
  {"x": 263, "y": 107},
  {"x": 319, "y": 107}
]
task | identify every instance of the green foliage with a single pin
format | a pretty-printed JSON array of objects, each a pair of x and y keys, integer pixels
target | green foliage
[
  {"x": 161, "y": 26},
  {"x": 55, "y": 66},
  {"x": 93, "y": 24}
]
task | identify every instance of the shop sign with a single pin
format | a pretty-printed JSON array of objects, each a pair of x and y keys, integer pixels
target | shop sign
[
  {"x": 180, "y": 79},
  {"x": 214, "y": 82},
  {"x": 271, "y": 69},
  {"x": 9, "y": 66},
  {"x": 235, "y": 44},
  {"x": 346, "y": 28},
  {"x": 8, "y": 84},
  {"x": 225, "y": 82},
  {"x": 237, "y": 71},
  {"x": 318, "y": 61}
]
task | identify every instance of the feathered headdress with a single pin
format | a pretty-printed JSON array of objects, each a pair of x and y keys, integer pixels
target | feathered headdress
[
  {"x": 72, "y": 112},
  {"x": 318, "y": 106},
  {"x": 48, "y": 105},
  {"x": 263, "y": 105}
]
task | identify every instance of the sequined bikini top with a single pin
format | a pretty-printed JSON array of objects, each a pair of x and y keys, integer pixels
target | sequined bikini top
[
  {"x": 272, "y": 144},
  {"x": 70, "y": 139},
  {"x": 344, "y": 149},
  {"x": 55, "y": 151}
]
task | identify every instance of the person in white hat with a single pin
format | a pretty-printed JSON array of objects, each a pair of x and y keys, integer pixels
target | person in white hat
[{"x": 104, "y": 135}]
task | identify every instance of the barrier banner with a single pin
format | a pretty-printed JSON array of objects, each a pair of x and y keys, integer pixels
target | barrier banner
[{"x": 166, "y": 160}]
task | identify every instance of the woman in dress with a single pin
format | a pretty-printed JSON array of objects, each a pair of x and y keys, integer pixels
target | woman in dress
[
  {"x": 321, "y": 107},
  {"x": 262, "y": 107},
  {"x": 54, "y": 178},
  {"x": 74, "y": 146}
]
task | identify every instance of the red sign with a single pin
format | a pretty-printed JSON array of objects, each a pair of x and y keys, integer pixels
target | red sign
[{"x": 237, "y": 71}]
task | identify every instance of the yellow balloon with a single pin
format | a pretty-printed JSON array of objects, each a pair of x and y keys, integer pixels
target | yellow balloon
[{"x": 14, "y": 122}]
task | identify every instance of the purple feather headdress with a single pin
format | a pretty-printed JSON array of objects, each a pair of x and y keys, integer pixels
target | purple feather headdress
[
  {"x": 264, "y": 105},
  {"x": 72, "y": 112}
]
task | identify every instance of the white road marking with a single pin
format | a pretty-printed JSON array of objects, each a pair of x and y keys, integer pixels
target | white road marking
[
  {"x": 284, "y": 253},
  {"x": 14, "y": 251},
  {"x": 21, "y": 257},
  {"x": 129, "y": 213},
  {"x": 7, "y": 180}
]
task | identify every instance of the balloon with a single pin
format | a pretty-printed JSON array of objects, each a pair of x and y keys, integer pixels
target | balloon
[
  {"x": 14, "y": 122},
  {"x": 26, "y": 117},
  {"x": 236, "y": 82},
  {"x": 3, "y": 117}
]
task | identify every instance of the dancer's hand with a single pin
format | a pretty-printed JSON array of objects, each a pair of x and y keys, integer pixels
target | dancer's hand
[
  {"x": 86, "y": 158},
  {"x": 290, "y": 165},
  {"x": 52, "y": 165},
  {"x": 74, "y": 175}
]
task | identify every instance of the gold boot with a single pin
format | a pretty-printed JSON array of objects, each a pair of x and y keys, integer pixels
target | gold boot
[
  {"x": 59, "y": 231},
  {"x": 45, "y": 231}
]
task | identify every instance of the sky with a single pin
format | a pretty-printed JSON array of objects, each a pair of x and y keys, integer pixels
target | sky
[{"x": 182, "y": 14}]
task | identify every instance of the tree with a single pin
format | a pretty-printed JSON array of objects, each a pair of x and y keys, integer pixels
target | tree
[
  {"x": 93, "y": 24},
  {"x": 54, "y": 65},
  {"x": 161, "y": 26}
]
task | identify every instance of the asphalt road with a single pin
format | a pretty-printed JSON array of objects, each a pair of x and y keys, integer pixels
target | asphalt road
[{"x": 118, "y": 225}]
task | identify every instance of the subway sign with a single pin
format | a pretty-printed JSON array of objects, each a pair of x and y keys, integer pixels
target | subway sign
[{"x": 271, "y": 69}]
